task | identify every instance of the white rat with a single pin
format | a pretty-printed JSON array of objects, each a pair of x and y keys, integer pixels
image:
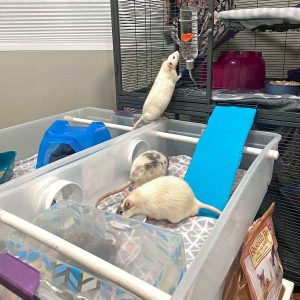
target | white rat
[
  {"x": 164, "y": 198},
  {"x": 147, "y": 166},
  {"x": 162, "y": 90}
]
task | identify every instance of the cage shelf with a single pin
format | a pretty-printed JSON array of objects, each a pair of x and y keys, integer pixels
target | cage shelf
[
  {"x": 263, "y": 19},
  {"x": 283, "y": 27}
]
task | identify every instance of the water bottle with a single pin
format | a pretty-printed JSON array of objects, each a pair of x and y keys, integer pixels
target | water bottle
[{"x": 189, "y": 32}]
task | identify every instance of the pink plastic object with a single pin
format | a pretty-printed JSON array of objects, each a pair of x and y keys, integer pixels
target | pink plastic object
[
  {"x": 224, "y": 55},
  {"x": 218, "y": 69},
  {"x": 252, "y": 71},
  {"x": 231, "y": 71},
  {"x": 261, "y": 70},
  {"x": 246, "y": 68},
  {"x": 235, "y": 70},
  {"x": 218, "y": 76}
]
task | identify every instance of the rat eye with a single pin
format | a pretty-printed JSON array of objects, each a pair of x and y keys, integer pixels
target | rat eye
[{"x": 173, "y": 57}]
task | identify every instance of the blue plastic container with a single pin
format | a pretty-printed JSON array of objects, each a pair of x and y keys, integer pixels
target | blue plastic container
[
  {"x": 62, "y": 139},
  {"x": 275, "y": 89},
  {"x": 7, "y": 163}
]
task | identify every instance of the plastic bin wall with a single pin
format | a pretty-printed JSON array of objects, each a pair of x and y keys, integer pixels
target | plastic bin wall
[
  {"x": 25, "y": 138},
  {"x": 102, "y": 171}
]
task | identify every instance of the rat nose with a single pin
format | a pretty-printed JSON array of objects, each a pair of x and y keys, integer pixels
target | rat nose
[{"x": 119, "y": 210}]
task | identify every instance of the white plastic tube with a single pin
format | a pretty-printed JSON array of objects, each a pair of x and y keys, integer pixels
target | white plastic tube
[
  {"x": 93, "y": 263},
  {"x": 273, "y": 154},
  {"x": 88, "y": 122}
]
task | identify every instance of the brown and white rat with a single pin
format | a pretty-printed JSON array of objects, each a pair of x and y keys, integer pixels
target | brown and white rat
[
  {"x": 164, "y": 198},
  {"x": 162, "y": 90},
  {"x": 147, "y": 166}
]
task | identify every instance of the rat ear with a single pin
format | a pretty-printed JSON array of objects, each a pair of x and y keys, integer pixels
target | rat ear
[
  {"x": 128, "y": 203},
  {"x": 170, "y": 65}
]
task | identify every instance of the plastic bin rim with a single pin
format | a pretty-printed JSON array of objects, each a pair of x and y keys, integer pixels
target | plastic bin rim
[
  {"x": 58, "y": 115},
  {"x": 189, "y": 279}
]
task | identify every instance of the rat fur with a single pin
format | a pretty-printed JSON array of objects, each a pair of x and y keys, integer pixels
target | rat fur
[
  {"x": 164, "y": 198},
  {"x": 162, "y": 90},
  {"x": 147, "y": 166}
]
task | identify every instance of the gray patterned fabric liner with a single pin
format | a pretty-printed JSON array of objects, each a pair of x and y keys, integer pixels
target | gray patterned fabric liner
[
  {"x": 24, "y": 166},
  {"x": 194, "y": 230}
]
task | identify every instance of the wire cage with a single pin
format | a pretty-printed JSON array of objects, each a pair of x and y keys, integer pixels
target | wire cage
[
  {"x": 142, "y": 36},
  {"x": 146, "y": 31}
]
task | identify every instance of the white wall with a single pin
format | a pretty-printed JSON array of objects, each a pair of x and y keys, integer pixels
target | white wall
[{"x": 34, "y": 84}]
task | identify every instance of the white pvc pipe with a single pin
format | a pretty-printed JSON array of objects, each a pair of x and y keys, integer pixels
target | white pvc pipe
[
  {"x": 109, "y": 125},
  {"x": 182, "y": 138},
  {"x": 273, "y": 154},
  {"x": 93, "y": 263},
  {"x": 176, "y": 137}
]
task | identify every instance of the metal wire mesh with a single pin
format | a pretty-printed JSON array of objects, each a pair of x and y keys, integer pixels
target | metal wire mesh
[
  {"x": 281, "y": 50},
  {"x": 284, "y": 190},
  {"x": 145, "y": 28},
  {"x": 142, "y": 43},
  {"x": 145, "y": 38}
]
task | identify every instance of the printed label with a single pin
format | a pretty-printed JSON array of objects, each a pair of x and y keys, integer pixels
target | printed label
[{"x": 261, "y": 246}]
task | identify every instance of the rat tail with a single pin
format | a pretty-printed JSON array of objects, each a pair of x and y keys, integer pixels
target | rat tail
[
  {"x": 119, "y": 189},
  {"x": 208, "y": 207},
  {"x": 137, "y": 122}
]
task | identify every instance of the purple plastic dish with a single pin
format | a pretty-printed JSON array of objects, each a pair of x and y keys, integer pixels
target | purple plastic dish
[{"x": 19, "y": 277}]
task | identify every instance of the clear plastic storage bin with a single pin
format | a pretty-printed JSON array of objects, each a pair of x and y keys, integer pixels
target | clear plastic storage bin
[
  {"x": 102, "y": 171},
  {"x": 153, "y": 254},
  {"x": 25, "y": 140}
]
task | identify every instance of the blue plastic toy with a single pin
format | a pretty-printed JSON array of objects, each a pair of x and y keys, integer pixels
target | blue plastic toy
[
  {"x": 218, "y": 154},
  {"x": 7, "y": 163},
  {"x": 62, "y": 139}
]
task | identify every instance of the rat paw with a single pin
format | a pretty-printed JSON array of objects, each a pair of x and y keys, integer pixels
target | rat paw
[
  {"x": 171, "y": 225},
  {"x": 179, "y": 77}
]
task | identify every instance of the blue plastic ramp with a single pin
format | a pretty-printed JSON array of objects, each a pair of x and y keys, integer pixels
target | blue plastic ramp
[{"x": 218, "y": 154}]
